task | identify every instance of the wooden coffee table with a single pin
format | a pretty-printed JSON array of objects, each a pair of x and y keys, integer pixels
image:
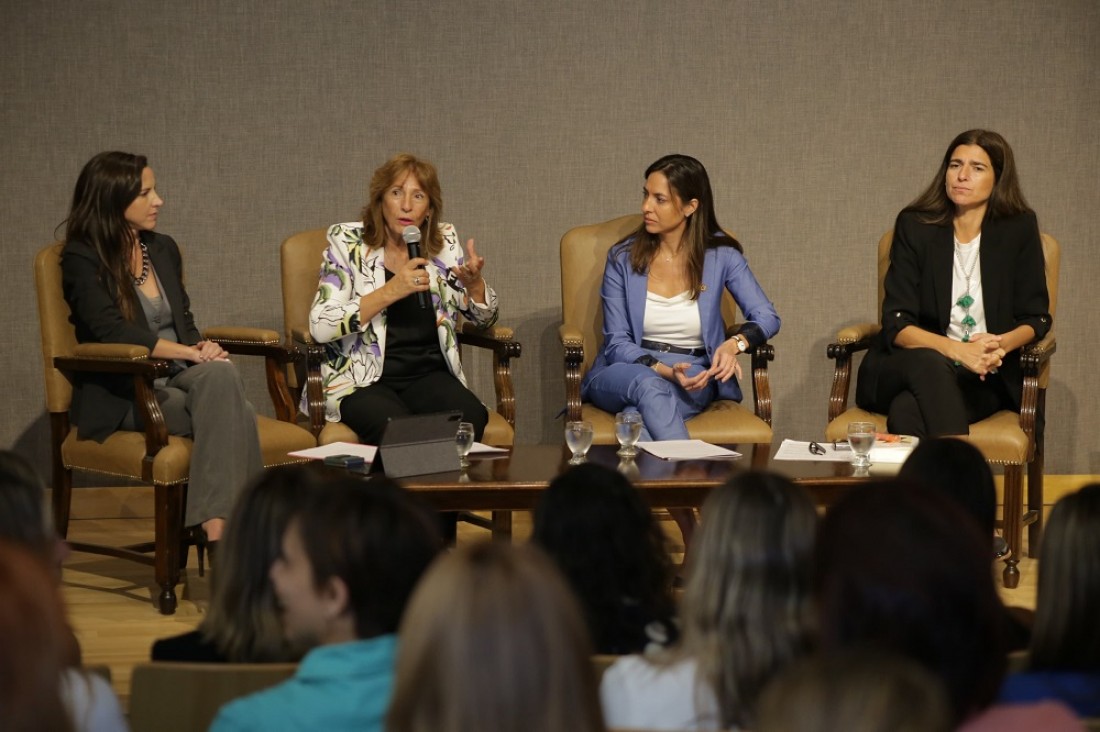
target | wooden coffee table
[{"x": 514, "y": 481}]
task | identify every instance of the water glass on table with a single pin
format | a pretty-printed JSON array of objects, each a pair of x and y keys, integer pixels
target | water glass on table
[
  {"x": 464, "y": 441},
  {"x": 861, "y": 437},
  {"x": 628, "y": 428},
  {"x": 578, "y": 438}
]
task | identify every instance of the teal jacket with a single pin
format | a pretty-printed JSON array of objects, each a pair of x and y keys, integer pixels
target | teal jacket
[{"x": 346, "y": 686}]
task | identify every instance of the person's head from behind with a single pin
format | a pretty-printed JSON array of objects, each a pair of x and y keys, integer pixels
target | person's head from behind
[
  {"x": 33, "y": 643},
  {"x": 746, "y": 608},
  {"x": 404, "y": 191},
  {"x": 958, "y": 469},
  {"x": 243, "y": 620},
  {"x": 855, "y": 690},
  {"x": 23, "y": 515},
  {"x": 907, "y": 570},
  {"x": 350, "y": 559},
  {"x": 594, "y": 524},
  {"x": 1066, "y": 634},
  {"x": 494, "y": 640}
]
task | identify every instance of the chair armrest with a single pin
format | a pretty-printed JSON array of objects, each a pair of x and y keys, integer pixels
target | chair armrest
[
  {"x": 498, "y": 339},
  {"x": 1035, "y": 365},
  {"x": 268, "y": 344},
  {"x": 572, "y": 342},
  {"x": 124, "y": 358},
  {"x": 850, "y": 339},
  {"x": 761, "y": 384}
]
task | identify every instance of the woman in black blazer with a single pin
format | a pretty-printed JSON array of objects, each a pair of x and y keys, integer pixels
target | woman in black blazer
[
  {"x": 966, "y": 288},
  {"x": 124, "y": 284}
]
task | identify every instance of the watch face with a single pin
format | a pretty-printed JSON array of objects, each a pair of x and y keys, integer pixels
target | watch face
[{"x": 741, "y": 345}]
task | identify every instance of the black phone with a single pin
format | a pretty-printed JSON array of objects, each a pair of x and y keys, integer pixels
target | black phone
[{"x": 345, "y": 461}]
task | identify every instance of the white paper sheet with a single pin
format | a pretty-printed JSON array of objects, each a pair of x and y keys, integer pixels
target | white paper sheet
[
  {"x": 686, "y": 450},
  {"x": 882, "y": 452},
  {"x": 367, "y": 451}
]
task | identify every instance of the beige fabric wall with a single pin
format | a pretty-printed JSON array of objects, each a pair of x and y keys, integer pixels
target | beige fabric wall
[{"x": 817, "y": 120}]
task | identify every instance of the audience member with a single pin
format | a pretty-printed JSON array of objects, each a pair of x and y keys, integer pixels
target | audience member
[
  {"x": 957, "y": 469},
  {"x": 494, "y": 642},
  {"x": 858, "y": 690},
  {"x": 39, "y": 690},
  {"x": 745, "y": 614},
  {"x": 1064, "y": 662},
  {"x": 242, "y": 624},
  {"x": 602, "y": 535},
  {"x": 907, "y": 570},
  {"x": 349, "y": 562}
]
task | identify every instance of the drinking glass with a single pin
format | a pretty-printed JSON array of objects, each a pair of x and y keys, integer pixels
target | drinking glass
[
  {"x": 861, "y": 436},
  {"x": 578, "y": 438},
  {"x": 628, "y": 428},
  {"x": 464, "y": 440}
]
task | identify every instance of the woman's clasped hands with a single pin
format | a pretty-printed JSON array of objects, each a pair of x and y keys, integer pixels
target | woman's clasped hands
[
  {"x": 723, "y": 366},
  {"x": 982, "y": 354},
  {"x": 204, "y": 351}
]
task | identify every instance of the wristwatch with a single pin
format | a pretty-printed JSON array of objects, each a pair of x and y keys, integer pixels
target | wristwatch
[{"x": 742, "y": 344}]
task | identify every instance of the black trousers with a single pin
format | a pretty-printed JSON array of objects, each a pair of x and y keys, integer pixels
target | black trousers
[
  {"x": 925, "y": 394},
  {"x": 366, "y": 410}
]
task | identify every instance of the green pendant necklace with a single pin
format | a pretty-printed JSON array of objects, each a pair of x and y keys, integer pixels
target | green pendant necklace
[{"x": 966, "y": 300}]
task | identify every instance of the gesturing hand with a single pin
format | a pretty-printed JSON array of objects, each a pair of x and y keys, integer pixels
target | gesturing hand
[
  {"x": 469, "y": 273},
  {"x": 690, "y": 383}
]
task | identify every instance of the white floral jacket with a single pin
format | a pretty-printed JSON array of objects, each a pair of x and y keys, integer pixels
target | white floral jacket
[{"x": 354, "y": 351}]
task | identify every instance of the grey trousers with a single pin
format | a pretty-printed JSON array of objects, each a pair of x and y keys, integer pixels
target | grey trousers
[{"x": 207, "y": 402}]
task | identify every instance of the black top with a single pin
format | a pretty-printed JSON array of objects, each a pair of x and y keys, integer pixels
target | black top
[
  {"x": 412, "y": 341},
  {"x": 187, "y": 647}
]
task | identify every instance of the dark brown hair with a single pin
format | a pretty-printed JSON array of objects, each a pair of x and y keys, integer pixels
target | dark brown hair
[
  {"x": 1066, "y": 636},
  {"x": 400, "y": 165},
  {"x": 1007, "y": 199},
  {"x": 376, "y": 538},
  {"x": 905, "y": 569},
  {"x": 106, "y": 187},
  {"x": 687, "y": 179}
]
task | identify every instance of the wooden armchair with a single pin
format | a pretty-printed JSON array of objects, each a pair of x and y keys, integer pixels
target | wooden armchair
[
  {"x": 1006, "y": 438},
  {"x": 152, "y": 456},
  {"x": 301, "y": 264},
  {"x": 583, "y": 255}
]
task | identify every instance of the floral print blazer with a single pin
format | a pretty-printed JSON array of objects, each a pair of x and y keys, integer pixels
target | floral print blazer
[{"x": 354, "y": 351}]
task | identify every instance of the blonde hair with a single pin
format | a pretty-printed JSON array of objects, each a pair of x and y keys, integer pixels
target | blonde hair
[
  {"x": 746, "y": 610},
  {"x": 374, "y": 224},
  {"x": 493, "y": 640}
]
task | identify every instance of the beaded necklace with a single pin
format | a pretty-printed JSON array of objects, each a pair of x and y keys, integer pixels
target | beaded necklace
[
  {"x": 140, "y": 279},
  {"x": 966, "y": 299}
]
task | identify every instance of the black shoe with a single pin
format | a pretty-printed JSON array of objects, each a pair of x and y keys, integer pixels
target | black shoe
[{"x": 197, "y": 535}]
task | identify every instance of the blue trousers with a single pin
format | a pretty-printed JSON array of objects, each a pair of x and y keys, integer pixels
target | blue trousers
[{"x": 664, "y": 406}]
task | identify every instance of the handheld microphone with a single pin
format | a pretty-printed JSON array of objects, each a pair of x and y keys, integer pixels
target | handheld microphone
[{"x": 411, "y": 235}]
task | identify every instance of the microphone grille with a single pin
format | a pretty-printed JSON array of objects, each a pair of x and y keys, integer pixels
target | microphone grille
[{"x": 411, "y": 234}]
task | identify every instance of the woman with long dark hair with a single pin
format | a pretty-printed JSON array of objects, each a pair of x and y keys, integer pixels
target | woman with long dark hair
[
  {"x": 965, "y": 290},
  {"x": 124, "y": 284}
]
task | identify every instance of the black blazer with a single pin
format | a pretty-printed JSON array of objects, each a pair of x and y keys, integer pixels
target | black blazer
[
  {"x": 102, "y": 401},
  {"x": 1014, "y": 285}
]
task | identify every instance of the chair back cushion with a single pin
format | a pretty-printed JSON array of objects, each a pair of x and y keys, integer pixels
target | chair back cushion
[
  {"x": 300, "y": 257},
  {"x": 185, "y": 697},
  {"x": 58, "y": 335},
  {"x": 583, "y": 256}
]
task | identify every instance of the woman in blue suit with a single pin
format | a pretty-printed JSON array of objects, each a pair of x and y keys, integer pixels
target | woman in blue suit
[{"x": 665, "y": 351}]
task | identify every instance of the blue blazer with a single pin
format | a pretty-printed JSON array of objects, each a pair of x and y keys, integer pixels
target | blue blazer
[{"x": 624, "y": 297}]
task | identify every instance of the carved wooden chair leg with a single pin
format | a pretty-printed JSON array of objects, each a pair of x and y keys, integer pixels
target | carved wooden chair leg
[
  {"x": 502, "y": 526},
  {"x": 1013, "y": 528}
]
